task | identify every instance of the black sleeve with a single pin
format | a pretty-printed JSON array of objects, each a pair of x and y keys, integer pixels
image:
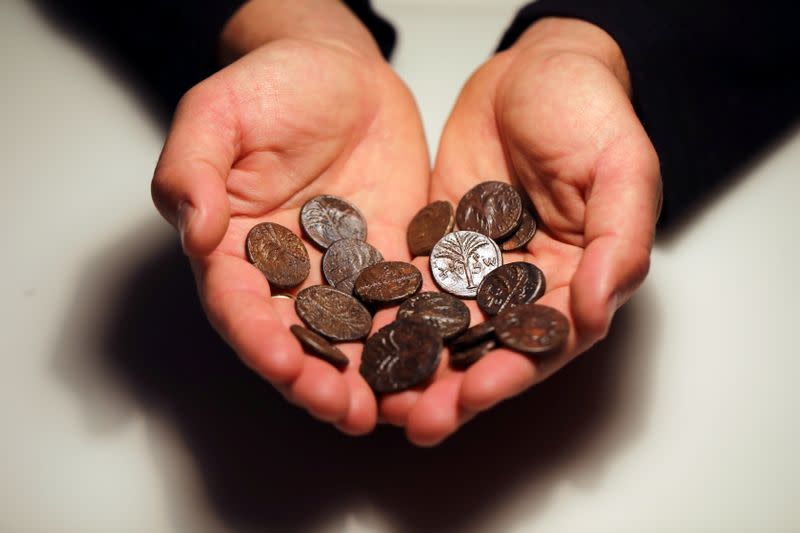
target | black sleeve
[{"x": 713, "y": 82}]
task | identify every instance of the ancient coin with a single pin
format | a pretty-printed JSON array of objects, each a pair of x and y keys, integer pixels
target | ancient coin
[
  {"x": 332, "y": 313},
  {"x": 523, "y": 234},
  {"x": 400, "y": 355},
  {"x": 509, "y": 285},
  {"x": 474, "y": 335},
  {"x": 493, "y": 208},
  {"x": 446, "y": 313},
  {"x": 433, "y": 222},
  {"x": 532, "y": 328},
  {"x": 466, "y": 358},
  {"x": 460, "y": 261},
  {"x": 319, "y": 347},
  {"x": 344, "y": 261},
  {"x": 388, "y": 282},
  {"x": 325, "y": 219},
  {"x": 279, "y": 254}
]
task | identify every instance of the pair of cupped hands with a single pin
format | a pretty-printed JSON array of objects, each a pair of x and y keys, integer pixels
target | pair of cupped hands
[{"x": 308, "y": 106}]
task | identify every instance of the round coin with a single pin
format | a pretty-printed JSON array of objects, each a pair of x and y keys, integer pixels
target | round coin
[
  {"x": 532, "y": 328},
  {"x": 460, "y": 261},
  {"x": 388, "y": 282},
  {"x": 325, "y": 219},
  {"x": 400, "y": 355},
  {"x": 466, "y": 358},
  {"x": 318, "y": 346},
  {"x": 449, "y": 315},
  {"x": 474, "y": 335},
  {"x": 523, "y": 235},
  {"x": 493, "y": 208},
  {"x": 433, "y": 222},
  {"x": 344, "y": 261},
  {"x": 279, "y": 254},
  {"x": 333, "y": 314},
  {"x": 509, "y": 285}
]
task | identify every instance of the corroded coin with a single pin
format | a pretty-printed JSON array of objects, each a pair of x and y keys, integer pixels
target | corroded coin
[
  {"x": 474, "y": 335},
  {"x": 388, "y": 282},
  {"x": 509, "y": 285},
  {"x": 400, "y": 355},
  {"x": 344, "y": 261},
  {"x": 326, "y": 219},
  {"x": 433, "y": 222},
  {"x": 446, "y": 313},
  {"x": 319, "y": 347},
  {"x": 466, "y": 358},
  {"x": 460, "y": 261},
  {"x": 332, "y": 313},
  {"x": 523, "y": 234},
  {"x": 279, "y": 254},
  {"x": 493, "y": 208},
  {"x": 532, "y": 328}
]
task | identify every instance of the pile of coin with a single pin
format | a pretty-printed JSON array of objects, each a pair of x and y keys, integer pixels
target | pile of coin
[{"x": 492, "y": 217}]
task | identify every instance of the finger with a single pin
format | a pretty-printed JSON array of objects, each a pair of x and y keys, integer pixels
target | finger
[{"x": 437, "y": 414}]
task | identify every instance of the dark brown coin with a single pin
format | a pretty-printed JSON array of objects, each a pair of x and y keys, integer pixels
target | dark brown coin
[
  {"x": 449, "y": 315},
  {"x": 333, "y": 314},
  {"x": 344, "y": 261},
  {"x": 318, "y": 346},
  {"x": 532, "y": 328},
  {"x": 509, "y": 285},
  {"x": 401, "y": 355},
  {"x": 388, "y": 282},
  {"x": 474, "y": 335},
  {"x": 523, "y": 235},
  {"x": 493, "y": 208},
  {"x": 466, "y": 358},
  {"x": 326, "y": 219},
  {"x": 432, "y": 223},
  {"x": 279, "y": 254}
]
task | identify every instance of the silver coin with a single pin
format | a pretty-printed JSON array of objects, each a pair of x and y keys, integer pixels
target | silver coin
[
  {"x": 344, "y": 261},
  {"x": 460, "y": 261},
  {"x": 326, "y": 219}
]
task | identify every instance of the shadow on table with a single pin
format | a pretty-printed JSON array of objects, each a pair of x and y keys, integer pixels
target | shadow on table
[{"x": 269, "y": 466}]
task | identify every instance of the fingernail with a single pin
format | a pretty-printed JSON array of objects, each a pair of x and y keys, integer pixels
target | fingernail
[{"x": 186, "y": 212}]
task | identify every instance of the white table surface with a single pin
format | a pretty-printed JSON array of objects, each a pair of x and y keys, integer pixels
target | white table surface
[{"x": 120, "y": 411}]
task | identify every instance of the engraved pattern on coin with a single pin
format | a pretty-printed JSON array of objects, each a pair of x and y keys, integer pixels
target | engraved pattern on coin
[
  {"x": 492, "y": 208},
  {"x": 400, "y": 355},
  {"x": 332, "y": 313},
  {"x": 509, "y": 285},
  {"x": 430, "y": 224},
  {"x": 326, "y": 219},
  {"x": 532, "y": 328},
  {"x": 523, "y": 235},
  {"x": 279, "y": 254},
  {"x": 474, "y": 335},
  {"x": 468, "y": 357},
  {"x": 449, "y": 315},
  {"x": 319, "y": 347},
  {"x": 460, "y": 261},
  {"x": 344, "y": 261},
  {"x": 388, "y": 282}
]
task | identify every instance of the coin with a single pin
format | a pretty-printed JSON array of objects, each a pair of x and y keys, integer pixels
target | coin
[
  {"x": 319, "y": 347},
  {"x": 388, "y": 282},
  {"x": 509, "y": 285},
  {"x": 279, "y": 254},
  {"x": 493, "y": 208},
  {"x": 523, "y": 234},
  {"x": 532, "y": 328},
  {"x": 400, "y": 355},
  {"x": 326, "y": 219},
  {"x": 460, "y": 261},
  {"x": 446, "y": 313},
  {"x": 430, "y": 224},
  {"x": 344, "y": 261},
  {"x": 466, "y": 358},
  {"x": 474, "y": 335},
  {"x": 332, "y": 313}
]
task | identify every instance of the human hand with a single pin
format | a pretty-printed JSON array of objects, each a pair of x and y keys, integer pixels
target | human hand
[
  {"x": 309, "y": 108},
  {"x": 554, "y": 113}
]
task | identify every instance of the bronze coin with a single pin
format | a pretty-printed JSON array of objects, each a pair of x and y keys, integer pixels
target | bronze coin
[
  {"x": 523, "y": 235},
  {"x": 509, "y": 285},
  {"x": 466, "y": 358},
  {"x": 449, "y": 315},
  {"x": 400, "y": 355},
  {"x": 326, "y": 219},
  {"x": 532, "y": 328},
  {"x": 344, "y": 261},
  {"x": 319, "y": 347},
  {"x": 433, "y": 222},
  {"x": 279, "y": 254},
  {"x": 493, "y": 208},
  {"x": 460, "y": 261},
  {"x": 474, "y": 335},
  {"x": 388, "y": 282},
  {"x": 333, "y": 314}
]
